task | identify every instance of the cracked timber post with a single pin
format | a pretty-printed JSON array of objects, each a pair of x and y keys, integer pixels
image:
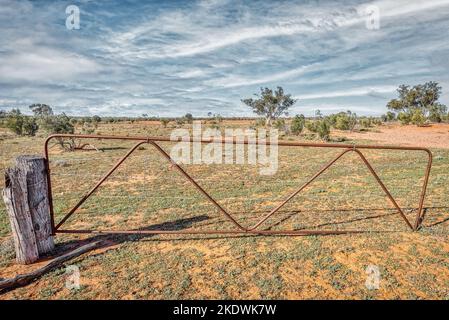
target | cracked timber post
[{"x": 28, "y": 207}]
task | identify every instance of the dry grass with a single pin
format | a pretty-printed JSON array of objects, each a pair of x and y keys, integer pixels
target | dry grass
[{"x": 147, "y": 193}]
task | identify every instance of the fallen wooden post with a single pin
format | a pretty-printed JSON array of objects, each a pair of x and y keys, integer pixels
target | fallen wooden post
[
  {"x": 28, "y": 207},
  {"x": 24, "y": 279}
]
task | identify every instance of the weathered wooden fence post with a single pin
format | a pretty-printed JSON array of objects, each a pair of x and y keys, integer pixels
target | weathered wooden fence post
[{"x": 28, "y": 208}]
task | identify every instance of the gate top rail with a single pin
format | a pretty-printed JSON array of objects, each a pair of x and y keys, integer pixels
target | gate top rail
[{"x": 238, "y": 141}]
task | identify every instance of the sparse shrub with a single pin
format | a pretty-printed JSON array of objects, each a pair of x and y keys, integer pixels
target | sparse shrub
[
  {"x": 435, "y": 117},
  {"x": 14, "y": 121},
  {"x": 164, "y": 122},
  {"x": 87, "y": 119},
  {"x": 297, "y": 125},
  {"x": 29, "y": 126},
  {"x": 391, "y": 116},
  {"x": 260, "y": 122},
  {"x": 418, "y": 117},
  {"x": 87, "y": 128},
  {"x": 437, "y": 113},
  {"x": 365, "y": 122},
  {"x": 60, "y": 124},
  {"x": 322, "y": 127},
  {"x": 342, "y": 123},
  {"x": 404, "y": 117},
  {"x": 311, "y": 126},
  {"x": 343, "y": 120},
  {"x": 376, "y": 121},
  {"x": 21, "y": 124},
  {"x": 280, "y": 124}
]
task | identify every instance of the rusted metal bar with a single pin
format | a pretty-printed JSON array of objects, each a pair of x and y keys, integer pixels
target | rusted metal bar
[
  {"x": 185, "y": 174},
  {"x": 299, "y": 190},
  {"x": 99, "y": 183},
  {"x": 223, "y": 232},
  {"x": 50, "y": 193},
  {"x": 373, "y": 172},
  {"x": 420, "y": 213},
  {"x": 235, "y": 141},
  {"x": 242, "y": 230}
]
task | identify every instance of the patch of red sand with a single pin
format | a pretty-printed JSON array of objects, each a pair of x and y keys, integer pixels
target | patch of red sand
[{"x": 433, "y": 136}]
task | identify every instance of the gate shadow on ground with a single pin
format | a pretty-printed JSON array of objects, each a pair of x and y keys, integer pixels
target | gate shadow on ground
[
  {"x": 110, "y": 240},
  {"x": 288, "y": 214}
]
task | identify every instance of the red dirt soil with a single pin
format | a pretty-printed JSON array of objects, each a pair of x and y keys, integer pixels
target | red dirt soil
[{"x": 433, "y": 136}]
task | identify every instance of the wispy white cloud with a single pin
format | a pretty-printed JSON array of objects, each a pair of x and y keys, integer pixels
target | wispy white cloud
[
  {"x": 238, "y": 81},
  {"x": 350, "y": 92},
  {"x": 45, "y": 65},
  {"x": 402, "y": 7},
  {"x": 171, "y": 58}
]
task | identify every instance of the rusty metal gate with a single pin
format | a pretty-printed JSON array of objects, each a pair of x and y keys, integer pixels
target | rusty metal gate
[{"x": 239, "y": 229}]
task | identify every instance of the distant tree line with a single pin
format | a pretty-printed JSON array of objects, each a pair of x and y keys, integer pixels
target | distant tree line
[
  {"x": 417, "y": 104},
  {"x": 44, "y": 119}
]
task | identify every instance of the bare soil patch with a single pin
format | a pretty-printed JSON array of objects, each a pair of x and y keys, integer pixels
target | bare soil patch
[{"x": 433, "y": 136}]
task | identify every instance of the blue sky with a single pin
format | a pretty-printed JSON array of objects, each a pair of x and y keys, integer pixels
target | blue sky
[{"x": 172, "y": 57}]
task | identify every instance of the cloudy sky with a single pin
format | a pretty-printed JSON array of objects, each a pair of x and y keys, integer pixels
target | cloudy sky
[{"x": 166, "y": 58}]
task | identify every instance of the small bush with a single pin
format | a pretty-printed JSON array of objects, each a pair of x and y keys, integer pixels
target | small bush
[
  {"x": 29, "y": 126},
  {"x": 418, "y": 117},
  {"x": 342, "y": 123},
  {"x": 280, "y": 124},
  {"x": 365, "y": 123},
  {"x": 404, "y": 117},
  {"x": 60, "y": 124},
  {"x": 21, "y": 124},
  {"x": 297, "y": 125},
  {"x": 322, "y": 127},
  {"x": 376, "y": 121},
  {"x": 343, "y": 120},
  {"x": 391, "y": 116},
  {"x": 87, "y": 128},
  {"x": 165, "y": 122},
  {"x": 435, "y": 117},
  {"x": 14, "y": 121},
  {"x": 311, "y": 126}
]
